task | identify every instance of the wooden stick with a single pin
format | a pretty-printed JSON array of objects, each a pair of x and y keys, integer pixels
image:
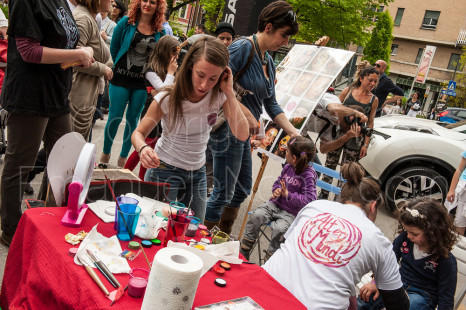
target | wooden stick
[
  {"x": 147, "y": 260},
  {"x": 265, "y": 159},
  {"x": 47, "y": 195}
]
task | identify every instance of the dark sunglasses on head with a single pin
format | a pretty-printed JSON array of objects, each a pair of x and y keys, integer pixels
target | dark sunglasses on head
[
  {"x": 377, "y": 65},
  {"x": 290, "y": 15}
]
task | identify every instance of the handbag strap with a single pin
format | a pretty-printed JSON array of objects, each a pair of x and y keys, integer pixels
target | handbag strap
[{"x": 248, "y": 63}]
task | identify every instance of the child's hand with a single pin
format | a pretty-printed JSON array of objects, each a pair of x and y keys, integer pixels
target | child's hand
[
  {"x": 367, "y": 290},
  {"x": 149, "y": 158},
  {"x": 451, "y": 196},
  {"x": 276, "y": 193},
  {"x": 172, "y": 66},
  {"x": 284, "y": 190},
  {"x": 255, "y": 143}
]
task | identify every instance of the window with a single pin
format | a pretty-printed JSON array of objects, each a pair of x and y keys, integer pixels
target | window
[
  {"x": 394, "y": 49},
  {"x": 419, "y": 55},
  {"x": 360, "y": 49},
  {"x": 430, "y": 19},
  {"x": 378, "y": 10},
  {"x": 461, "y": 114},
  {"x": 454, "y": 63},
  {"x": 183, "y": 12},
  {"x": 399, "y": 16}
]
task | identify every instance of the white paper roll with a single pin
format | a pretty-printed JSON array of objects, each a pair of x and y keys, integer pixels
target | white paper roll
[{"x": 173, "y": 280}]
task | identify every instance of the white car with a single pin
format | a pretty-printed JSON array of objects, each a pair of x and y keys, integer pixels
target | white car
[{"x": 413, "y": 157}]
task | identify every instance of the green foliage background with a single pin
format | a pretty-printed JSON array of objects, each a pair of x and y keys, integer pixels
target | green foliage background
[
  {"x": 344, "y": 21},
  {"x": 379, "y": 46}
]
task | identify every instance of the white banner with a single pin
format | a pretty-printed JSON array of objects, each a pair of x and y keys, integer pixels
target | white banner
[{"x": 424, "y": 65}]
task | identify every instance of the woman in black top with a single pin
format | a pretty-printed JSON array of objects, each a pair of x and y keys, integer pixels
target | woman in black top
[
  {"x": 360, "y": 93},
  {"x": 42, "y": 34}
]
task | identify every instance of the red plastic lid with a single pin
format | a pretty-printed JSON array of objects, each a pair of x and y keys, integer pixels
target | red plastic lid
[{"x": 219, "y": 270}]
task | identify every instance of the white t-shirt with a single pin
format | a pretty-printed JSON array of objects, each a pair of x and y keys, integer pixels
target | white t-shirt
[
  {"x": 184, "y": 145},
  {"x": 328, "y": 248}
]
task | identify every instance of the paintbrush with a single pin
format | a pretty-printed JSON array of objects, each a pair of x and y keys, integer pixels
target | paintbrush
[
  {"x": 147, "y": 260},
  {"x": 104, "y": 270},
  {"x": 171, "y": 223},
  {"x": 117, "y": 204},
  {"x": 94, "y": 277},
  {"x": 189, "y": 205}
]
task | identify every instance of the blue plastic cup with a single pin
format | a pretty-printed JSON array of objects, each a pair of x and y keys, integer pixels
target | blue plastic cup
[
  {"x": 128, "y": 217},
  {"x": 122, "y": 200}
]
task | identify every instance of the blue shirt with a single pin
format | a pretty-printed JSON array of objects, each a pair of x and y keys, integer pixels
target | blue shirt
[
  {"x": 254, "y": 79},
  {"x": 168, "y": 29},
  {"x": 463, "y": 175}
]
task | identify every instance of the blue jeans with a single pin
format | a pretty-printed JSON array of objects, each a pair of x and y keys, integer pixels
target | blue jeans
[
  {"x": 419, "y": 300},
  {"x": 183, "y": 185},
  {"x": 232, "y": 172}
]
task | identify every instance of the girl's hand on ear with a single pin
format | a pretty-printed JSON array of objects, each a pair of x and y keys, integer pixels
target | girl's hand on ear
[
  {"x": 172, "y": 66},
  {"x": 226, "y": 82}
]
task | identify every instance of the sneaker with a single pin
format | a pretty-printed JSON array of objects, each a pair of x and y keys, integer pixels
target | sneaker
[
  {"x": 5, "y": 239},
  {"x": 29, "y": 190}
]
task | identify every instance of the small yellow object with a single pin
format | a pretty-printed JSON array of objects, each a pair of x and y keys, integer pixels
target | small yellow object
[
  {"x": 75, "y": 239},
  {"x": 200, "y": 247}
]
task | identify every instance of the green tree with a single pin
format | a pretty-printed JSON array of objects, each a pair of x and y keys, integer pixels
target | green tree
[
  {"x": 213, "y": 13},
  {"x": 460, "y": 77},
  {"x": 344, "y": 21},
  {"x": 379, "y": 46}
]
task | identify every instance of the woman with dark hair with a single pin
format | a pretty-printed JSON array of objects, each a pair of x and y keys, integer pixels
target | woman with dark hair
[
  {"x": 331, "y": 245},
  {"x": 41, "y": 36},
  {"x": 232, "y": 157},
  {"x": 133, "y": 41},
  {"x": 187, "y": 110},
  {"x": 360, "y": 93},
  {"x": 119, "y": 10},
  {"x": 413, "y": 106}
]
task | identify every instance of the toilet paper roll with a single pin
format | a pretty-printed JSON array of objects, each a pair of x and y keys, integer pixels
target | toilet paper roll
[{"x": 173, "y": 280}]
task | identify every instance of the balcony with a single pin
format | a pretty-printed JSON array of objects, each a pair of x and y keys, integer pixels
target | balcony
[{"x": 461, "y": 37}]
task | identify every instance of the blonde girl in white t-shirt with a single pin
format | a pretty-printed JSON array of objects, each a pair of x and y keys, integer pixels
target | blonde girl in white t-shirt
[{"x": 187, "y": 111}]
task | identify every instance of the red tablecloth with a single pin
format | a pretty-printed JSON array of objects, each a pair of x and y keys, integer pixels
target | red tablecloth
[{"x": 39, "y": 274}]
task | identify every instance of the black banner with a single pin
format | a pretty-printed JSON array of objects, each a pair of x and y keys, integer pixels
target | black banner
[{"x": 243, "y": 14}]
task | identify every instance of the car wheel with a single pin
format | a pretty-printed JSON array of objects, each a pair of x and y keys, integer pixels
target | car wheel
[{"x": 414, "y": 182}]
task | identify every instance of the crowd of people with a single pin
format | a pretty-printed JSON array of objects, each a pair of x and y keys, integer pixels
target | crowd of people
[{"x": 69, "y": 59}]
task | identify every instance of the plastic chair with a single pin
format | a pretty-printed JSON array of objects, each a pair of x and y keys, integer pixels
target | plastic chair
[{"x": 331, "y": 173}]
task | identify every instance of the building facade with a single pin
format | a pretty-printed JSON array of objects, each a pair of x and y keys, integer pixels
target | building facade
[{"x": 420, "y": 23}]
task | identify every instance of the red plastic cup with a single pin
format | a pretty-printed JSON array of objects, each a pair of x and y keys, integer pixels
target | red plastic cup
[{"x": 176, "y": 229}]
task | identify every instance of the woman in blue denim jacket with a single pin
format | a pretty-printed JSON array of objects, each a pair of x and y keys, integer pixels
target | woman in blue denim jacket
[
  {"x": 133, "y": 41},
  {"x": 232, "y": 157}
]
